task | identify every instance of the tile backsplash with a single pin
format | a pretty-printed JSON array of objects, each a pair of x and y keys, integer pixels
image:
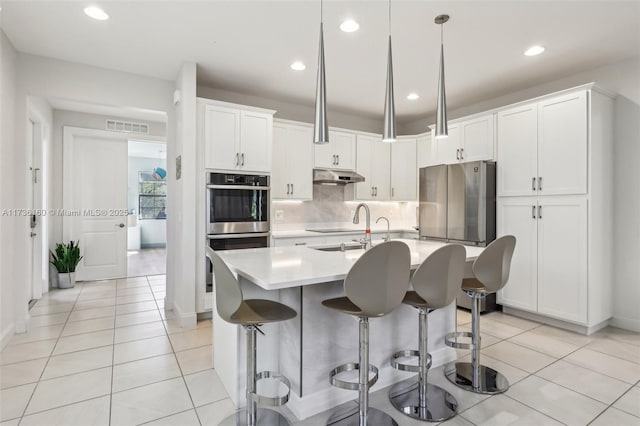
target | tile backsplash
[{"x": 328, "y": 208}]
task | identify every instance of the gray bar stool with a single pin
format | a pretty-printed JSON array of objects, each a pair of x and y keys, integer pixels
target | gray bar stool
[
  {"x": 491, "y": 273},
  {"x": 374, "y": 287},
  {"x": 250, "y": 314},
  {"x": 436, "y": 283}
]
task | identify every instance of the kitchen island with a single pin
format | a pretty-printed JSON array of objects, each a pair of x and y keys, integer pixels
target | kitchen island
[{"x": 307, "y": 347}]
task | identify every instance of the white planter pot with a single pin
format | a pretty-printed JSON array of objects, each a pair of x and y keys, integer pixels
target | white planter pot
[
  {"x": 66, "y": 280},
  {"x": 53, "y": 276}
]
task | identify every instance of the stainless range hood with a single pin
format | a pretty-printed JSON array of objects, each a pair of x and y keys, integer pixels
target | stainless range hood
[{"x": 335, "y": 177}]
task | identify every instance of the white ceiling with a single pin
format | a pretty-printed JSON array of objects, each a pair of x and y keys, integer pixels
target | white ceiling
[
  {"x": 247, "y": 46},
  {"x": 128, "y": 112}
]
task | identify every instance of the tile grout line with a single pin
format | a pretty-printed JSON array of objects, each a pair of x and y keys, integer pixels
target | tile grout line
[
  {"x": 35, "y": 388},
  {"x": 179, "y": 366},
  {"x": 616, "y": 400}
]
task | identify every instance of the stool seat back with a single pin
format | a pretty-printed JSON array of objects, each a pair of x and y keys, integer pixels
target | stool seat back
[
  {"x": 378, "y": 281},
  {"x": 438, "y": 279}
]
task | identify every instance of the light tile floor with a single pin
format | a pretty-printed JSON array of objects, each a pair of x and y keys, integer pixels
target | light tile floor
[
  {"x": 107, "y": 353},
  {"x": 148, "y": 261}
]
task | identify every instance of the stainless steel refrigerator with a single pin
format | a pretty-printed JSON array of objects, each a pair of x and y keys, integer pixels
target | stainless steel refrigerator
[{"x": 458, "y": 204}]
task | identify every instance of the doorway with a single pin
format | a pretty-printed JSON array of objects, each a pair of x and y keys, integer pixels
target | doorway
[
  {"x": 38, "y": 271},
  {"x": 147, "y": 203}
]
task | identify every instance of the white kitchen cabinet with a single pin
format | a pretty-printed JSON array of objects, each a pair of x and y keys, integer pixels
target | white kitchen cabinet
[
  {"x": 373, "y": 162},
  {"x": 292, "y": 170},
  {"x": 562, "y": 264},
  {"x": 542, "y": 147},
  {"x": 468, "y": 140},
  {"x": 448, "y": 149},
  {"x": 426, "y": 150},
  {"x": 339, "y": 153},
  {"x": 549, "y": 266},
  {"x": 404, "y": 170},
  {"x": 234, "y": 138}
]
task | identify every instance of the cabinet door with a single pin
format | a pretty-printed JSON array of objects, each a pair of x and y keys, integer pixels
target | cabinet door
[
  {"x": 222, "y": 137},
  {"x": 562, "y": 144},
  {"x": 404, "y": 170},
  {"x": 324, "y": 154},
  {"x": 381, "y": 165},
  {"x": 562, "y": 258},
  {"x": 426, "y": 151},
  {"x": 301, "y": 162},
  {"x": 345, "y": 150},
  {"x": 516, "y": 216},
  {"x": 448, "y": 149},
  {"x": 477, "y": 139},
  {"x": 280, "y": 176},
  {"x": 517, "y": 150},
  {"x": 364, "y": 166},
  {"x": 255, "y": 141}
]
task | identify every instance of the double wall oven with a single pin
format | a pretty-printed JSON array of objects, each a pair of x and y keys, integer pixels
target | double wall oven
[{"x": 237, "y": 211}]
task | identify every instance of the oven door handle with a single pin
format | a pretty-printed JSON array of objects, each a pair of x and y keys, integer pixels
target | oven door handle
[
  {"x": 227, "y": 236},
  {"x": 249, "y": 187}
]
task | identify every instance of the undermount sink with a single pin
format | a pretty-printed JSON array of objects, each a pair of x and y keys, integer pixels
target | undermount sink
[{"x": 338, "y": 248}]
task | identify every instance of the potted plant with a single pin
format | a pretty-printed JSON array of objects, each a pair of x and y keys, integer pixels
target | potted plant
[{"x": 65, "y": 260}]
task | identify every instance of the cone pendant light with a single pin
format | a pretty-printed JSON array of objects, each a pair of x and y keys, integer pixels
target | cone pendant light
[
  {"x": 320, "y": 126},
  {"x": 389, "y": 132},
  {"x": 441, "y": 109}
]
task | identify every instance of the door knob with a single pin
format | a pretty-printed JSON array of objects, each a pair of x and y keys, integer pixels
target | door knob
[{"x": 120, "y": 225}]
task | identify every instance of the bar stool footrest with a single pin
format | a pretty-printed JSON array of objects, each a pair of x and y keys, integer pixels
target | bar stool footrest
[
  {"x": 343, "y": 384},
  {"x": 451, "y": 339},
  {"x": 272, "y": 401},
  {"x": 413, "y": 368}
]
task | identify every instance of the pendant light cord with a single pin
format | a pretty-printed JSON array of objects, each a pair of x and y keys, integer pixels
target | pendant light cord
[
  {"x": 442, "y": 34},
  {"x": 389, "y": 17},
  {"x": 321, "y": 12}
]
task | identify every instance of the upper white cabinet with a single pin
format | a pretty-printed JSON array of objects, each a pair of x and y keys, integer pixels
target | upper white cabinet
[
  {"x": 236, "y": 139},
  {"x": 426, "y": 150},
  {"x": 373, "y": 162},
  {"x": 339, "y": 153},
  {"x": 292, "y": 175},
  {"x": 468, "y": 140},
  {"x": 404, "y": 171},
  {"x": 542, "y": 147}
]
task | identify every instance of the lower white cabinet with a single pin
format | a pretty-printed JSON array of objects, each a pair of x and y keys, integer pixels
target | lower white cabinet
[
  {"x": 292, "y": 174},
  {"x": 549, "y": 267}
]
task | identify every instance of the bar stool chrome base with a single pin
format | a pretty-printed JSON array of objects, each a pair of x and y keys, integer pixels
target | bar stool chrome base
[
  {"x": 352, "y": 418},
  {"x": 264, "y": 416},
  {"x": 440, "y": 404},
  {"x": 490, "y": 382}
]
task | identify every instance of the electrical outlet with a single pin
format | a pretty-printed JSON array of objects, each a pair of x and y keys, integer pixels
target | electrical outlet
[{"x": 279, "y": 214}]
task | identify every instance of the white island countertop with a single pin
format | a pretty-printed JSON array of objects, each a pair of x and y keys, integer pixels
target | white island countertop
[{"x": 274, "y": 268}]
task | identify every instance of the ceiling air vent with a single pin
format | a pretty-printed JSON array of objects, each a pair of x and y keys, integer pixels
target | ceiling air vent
[{"x": 127, "y": 126}]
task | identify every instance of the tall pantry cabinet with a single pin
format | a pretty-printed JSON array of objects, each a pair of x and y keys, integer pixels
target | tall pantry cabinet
[{"x": 555, "y": 194}]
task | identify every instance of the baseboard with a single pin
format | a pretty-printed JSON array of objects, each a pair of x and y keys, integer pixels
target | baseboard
[
  {"x": 331, "y": 397},
  {"x": 186, "y": 319},
  {"x": 7, "y": 334},
  {"x": 630, "y": 324},
  {"x": 577, "y": 328}
]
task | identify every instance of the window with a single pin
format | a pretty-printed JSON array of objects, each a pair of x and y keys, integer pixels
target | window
[{"x": 152, "y": 198}]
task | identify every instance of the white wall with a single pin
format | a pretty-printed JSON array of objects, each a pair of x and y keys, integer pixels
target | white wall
[
  {"x": 296, "y": 112},
  {"x": 49, "y": 78},
  {"x": 8, "y": 58},
  {"x": 181, "y": 217},
  {"x": 622, "y": 78}
]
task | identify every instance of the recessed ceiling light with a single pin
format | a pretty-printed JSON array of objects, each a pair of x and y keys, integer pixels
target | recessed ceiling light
[
  {"x": 96, "y": 13},
  {"x": 534, "y": 50},
  {"x": 349, "y": 26},
  {"x": 298, "y": 66},
  {"x": 413, "y": 96}
]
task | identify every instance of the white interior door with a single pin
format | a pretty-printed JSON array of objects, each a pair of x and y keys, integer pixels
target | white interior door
[{"x": 95, "y": 192}]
